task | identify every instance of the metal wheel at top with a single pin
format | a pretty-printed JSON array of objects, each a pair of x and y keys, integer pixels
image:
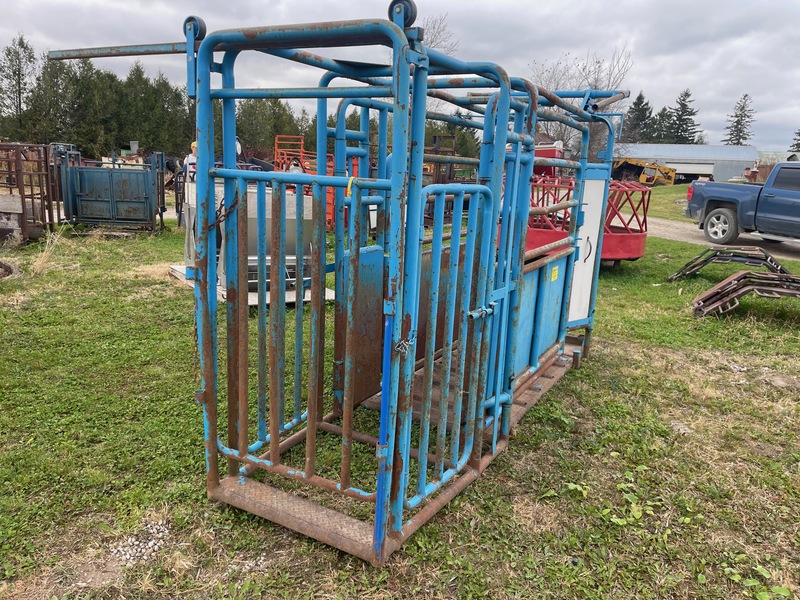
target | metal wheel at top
[{"x": 409, "y": 8}]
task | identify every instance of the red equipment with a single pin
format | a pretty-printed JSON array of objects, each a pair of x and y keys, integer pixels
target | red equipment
[{"x": 625, "y": 231}]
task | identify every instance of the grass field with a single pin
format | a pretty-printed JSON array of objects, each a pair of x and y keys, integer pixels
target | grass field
[
  {"x": 668, "y": 466},
  {"x": 663, "y": 205}
]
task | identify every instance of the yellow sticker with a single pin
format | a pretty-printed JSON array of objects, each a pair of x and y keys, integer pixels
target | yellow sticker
[{"x": 554, "y": 273}]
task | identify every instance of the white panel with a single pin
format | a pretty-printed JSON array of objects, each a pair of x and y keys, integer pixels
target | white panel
[
  {"x": 692, "y": 168},
  {"x": 583, "y": 275}
]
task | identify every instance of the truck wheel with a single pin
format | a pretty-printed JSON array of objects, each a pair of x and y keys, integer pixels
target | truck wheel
[{"x": 721, "y": 226}]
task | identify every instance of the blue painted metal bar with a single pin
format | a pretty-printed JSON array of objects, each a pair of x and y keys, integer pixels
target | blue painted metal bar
[
  {"x": 117, "y": 51},
  {"x": 398, "y": 170},
  {"x": 411, "y": 279},
  {"x": 285, "y": 94},
  {"x": 430, "y": 342},
  {"x": 206, "y": 275},
  {"x": 261, "y": 213},
  {"x": 231, "y": 233},
  {"x": 449, "y": 322},
  {"x": 299, "y": 293}
]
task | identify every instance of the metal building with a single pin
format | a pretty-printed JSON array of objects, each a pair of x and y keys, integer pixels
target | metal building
[{"x": 693, "y": 160}]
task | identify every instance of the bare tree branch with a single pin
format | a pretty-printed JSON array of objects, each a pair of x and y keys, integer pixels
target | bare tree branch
[{"x": 571, "y": 73}]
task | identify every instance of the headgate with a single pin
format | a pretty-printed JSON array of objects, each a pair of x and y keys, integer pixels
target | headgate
[{"x": 388, "y": 402}]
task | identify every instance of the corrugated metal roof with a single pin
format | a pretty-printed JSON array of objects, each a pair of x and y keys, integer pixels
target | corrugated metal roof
[
  {"x": 770, "y": 158},
  {"x": 686, "y": 152}
]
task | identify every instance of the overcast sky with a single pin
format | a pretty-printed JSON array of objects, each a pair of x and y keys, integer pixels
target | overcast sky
[{"x": 718, "y": 49}]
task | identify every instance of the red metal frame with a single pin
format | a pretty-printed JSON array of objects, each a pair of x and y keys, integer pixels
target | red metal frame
[{"x": 625, "y": 229}]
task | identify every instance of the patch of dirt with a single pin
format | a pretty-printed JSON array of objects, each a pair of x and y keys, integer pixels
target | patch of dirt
[
  {"x": 782, "y": 381},
  {"x": 14, "y": 301},
  {"x": 98, "y": 563},
  {"x": 537, "y": 517},
  {"x": 92, "y": 568},
  {"x": 158, "y": 271}
]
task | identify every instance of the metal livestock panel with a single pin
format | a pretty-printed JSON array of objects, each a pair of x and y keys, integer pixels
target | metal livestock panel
[{"x": 111, "y": 193}]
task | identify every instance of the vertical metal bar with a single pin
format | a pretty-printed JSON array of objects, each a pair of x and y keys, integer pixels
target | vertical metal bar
[
  {"x": 350, "y": 335},
  {"x": 410, "y": 306},
  {"x": 206, "y": 268},
  {"x": 317, "y": 317},
  {"x": 277, "y": 321},
  {"x": 261, "y": 214},
  {"x": 475, "y": 204},
  {"x": 387, "y": 484},
  {"x": 341, "y": 237},
  {"x": 383, "y": 135},
  {"x": 522, "y": 207},
  {"x": 476, "y": 385},
  {"x": 495, "y": 142},
  {"x": 242, "y": 314},
  {"x": 430, "y": 342},
  {"x": 299, "y": 292},
  {"x": 232, "y": 263},
  {"x": 363, "y": 170},
  {"x": 593, "y": 297},
  {"x": 19, "y": 172},
  {"x": 449, "y": 321},
  {"x": 500, "y": 334}
]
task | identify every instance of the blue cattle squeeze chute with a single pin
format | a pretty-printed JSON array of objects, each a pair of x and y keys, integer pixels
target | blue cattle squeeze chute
[{"x": 444, "y": 331}]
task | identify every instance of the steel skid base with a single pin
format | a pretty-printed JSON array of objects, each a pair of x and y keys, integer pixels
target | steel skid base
[{"x": 355, "y": 536}]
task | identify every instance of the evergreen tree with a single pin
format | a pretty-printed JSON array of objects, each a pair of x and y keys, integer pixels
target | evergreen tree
[
  {"x": 662, "y": 128},
  {"x": 740, "y": 123},
  {"x": 258, "y": 121},
  {"x": 685, "y": 127},
  {"x": 49, "y": 114},
  {"x": 795, "y": 147},
  {"x": 637, "y": 121},
  {"x": 18, "y": 71}
]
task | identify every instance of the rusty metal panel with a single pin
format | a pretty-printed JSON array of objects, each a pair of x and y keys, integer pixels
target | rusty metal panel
[
  {"x": 106, "y": 194},
  {"x": 27, "y": 191}
]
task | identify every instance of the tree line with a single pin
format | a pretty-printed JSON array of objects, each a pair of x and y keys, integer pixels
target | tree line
[
  {"x": 94, "y": 109},
  {"x": 99, "y": 112},
  {"x": 678, "y": 124}
]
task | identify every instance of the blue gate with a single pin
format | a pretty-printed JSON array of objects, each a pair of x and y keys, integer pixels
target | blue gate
[{"x": 112, "y": 193}]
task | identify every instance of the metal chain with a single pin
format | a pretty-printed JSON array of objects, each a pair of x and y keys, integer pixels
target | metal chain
[{"x": 220, "y": 215}]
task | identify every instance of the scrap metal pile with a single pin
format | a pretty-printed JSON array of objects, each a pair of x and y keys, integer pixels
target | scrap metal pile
[
  {"x": 752, "y": 256},
  {"x": 724, "y": 296}
]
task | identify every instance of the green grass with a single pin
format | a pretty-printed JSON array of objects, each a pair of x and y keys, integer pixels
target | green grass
[
  {"x": 666, "y": 467},
  {"x": 663, "y": 205}
]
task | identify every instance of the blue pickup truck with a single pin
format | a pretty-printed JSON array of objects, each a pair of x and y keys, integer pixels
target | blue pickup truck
[{"x": 771, "y": 211}]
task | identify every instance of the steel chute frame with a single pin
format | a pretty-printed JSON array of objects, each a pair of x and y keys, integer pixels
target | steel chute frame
[{"x": 444, "y": 331}]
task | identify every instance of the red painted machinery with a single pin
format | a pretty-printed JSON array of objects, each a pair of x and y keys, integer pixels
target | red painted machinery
[{"x": 625, "y": 231}]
